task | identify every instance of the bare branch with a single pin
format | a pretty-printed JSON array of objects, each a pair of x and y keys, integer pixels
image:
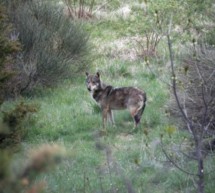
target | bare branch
[{"x": 174, "y": 163}]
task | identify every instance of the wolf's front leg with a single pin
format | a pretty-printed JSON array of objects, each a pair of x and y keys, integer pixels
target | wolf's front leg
[{"x": 104, "y": 117}]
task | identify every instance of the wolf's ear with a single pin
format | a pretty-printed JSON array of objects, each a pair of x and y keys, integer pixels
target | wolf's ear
[
  {"x": 87, "y": 74},
  {"x": 98, "y": 74}
]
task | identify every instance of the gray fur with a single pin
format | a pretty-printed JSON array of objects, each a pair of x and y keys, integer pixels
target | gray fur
[{"x": 110, "y": 98}]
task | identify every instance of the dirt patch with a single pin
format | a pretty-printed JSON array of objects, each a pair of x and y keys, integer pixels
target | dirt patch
[
  {"x": 123, "y": 12},
  {"x": 124, "y": 48}
]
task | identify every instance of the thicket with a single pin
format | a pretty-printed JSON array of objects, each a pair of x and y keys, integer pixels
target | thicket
[
  {"x": 196, "y": 86},
  {"x": 54, "y": 47}
]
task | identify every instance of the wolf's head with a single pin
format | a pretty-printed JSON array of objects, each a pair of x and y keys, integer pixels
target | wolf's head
[{"x": 93, "y": 82}]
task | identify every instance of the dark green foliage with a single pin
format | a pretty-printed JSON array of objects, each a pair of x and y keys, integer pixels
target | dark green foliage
[
  {"x": 4, "y": 161},
  {"x": 12, "y": 132},
  {"x": 7, "y": 48}
]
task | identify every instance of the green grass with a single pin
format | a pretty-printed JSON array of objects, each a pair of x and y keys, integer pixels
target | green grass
[{"x": 68, "y": 117}]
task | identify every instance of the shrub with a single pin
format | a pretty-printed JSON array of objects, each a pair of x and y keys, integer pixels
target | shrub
[
  {"x": 8, "y": 46},
  {"x": 210, "y": 34},
  {"x": 22, "y": 179},
  {"x": 11, "y": 132},
  {"x": 210, "y": 37},
  {"x": 54, "y": 47},
  {"x": 196, "y": 87}
]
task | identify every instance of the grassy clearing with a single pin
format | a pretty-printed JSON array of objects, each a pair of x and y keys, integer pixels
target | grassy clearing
[{"x": 98, "y": 161}]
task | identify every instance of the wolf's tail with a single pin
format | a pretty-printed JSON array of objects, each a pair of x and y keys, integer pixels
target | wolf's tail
[{"x": 137, "y": 117}]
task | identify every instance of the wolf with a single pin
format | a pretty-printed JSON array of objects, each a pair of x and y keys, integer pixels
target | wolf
[{"x": 110, "y": 98}]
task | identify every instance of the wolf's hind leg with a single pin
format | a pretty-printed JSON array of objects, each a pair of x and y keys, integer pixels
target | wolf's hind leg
[
  {"x": 133, "y": 111},
  {"x": 110, "y": 116},
  {"x": 138, "y": 115}
]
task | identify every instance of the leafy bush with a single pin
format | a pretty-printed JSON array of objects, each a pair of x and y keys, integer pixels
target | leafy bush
[{"x": 54, "y": 47}]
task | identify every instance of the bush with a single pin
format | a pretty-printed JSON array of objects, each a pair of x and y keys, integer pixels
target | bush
[
  {"x": 210, "y": 34},
  {"x": 8, "y": 46},
  {"x": 54, "y": 46},
  {"x": 210, "y": 37},
  {"x": 22, "y": 177},
  {"x": 196, "y": 88},
  {"x": 11, "y": 131}
]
